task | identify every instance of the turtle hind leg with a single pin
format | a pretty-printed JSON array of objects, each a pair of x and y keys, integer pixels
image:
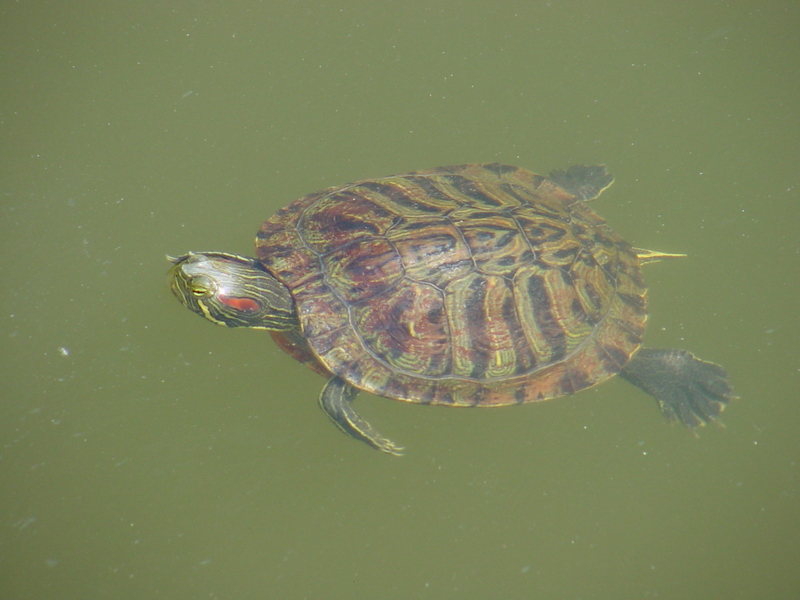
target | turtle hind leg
[
  {"x": 336, "y": 400},
  {"x": 686, "y": 388},
  {"x": 585, "y": 183}
]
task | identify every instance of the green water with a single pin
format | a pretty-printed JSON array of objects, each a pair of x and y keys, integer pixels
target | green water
[{"x": 148, "y": 454}]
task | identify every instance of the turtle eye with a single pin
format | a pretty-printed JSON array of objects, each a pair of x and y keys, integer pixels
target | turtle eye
[{"x": 201, "y": 286}]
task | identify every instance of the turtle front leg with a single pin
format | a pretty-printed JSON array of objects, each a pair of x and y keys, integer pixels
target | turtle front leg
[{"x": 336, "y": 400}]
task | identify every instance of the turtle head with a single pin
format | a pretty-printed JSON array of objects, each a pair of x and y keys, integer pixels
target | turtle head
[{"x": 232, "y": 290}]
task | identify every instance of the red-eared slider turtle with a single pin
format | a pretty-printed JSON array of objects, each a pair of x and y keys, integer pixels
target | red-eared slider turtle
[{"x": 470, "y": 285}]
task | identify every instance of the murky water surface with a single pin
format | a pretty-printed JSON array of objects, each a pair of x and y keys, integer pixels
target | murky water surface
[{"x": 148, "y": 454}]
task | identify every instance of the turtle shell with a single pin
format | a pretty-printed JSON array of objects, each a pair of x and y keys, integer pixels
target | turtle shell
[{"x": 471, "y": 285}]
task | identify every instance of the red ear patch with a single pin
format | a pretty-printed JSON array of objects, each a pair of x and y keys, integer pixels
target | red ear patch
[{"x": 241, "y": 304}]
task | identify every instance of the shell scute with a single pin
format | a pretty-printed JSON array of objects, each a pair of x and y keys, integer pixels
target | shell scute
[
  {"x": 363, "y": 269},
  {"x": 340, "y": 218},
  {"x": 494, "y": 239},
  {"x": 407, "y": 329},
  {"x": 485, "y": 342},
  {"x": 433, "y": 251}
]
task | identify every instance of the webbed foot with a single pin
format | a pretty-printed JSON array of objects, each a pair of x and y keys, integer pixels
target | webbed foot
[{"x": 686, "y": 388}]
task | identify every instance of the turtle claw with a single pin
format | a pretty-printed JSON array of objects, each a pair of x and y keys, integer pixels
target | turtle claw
[{"x": 388, "y": 446}]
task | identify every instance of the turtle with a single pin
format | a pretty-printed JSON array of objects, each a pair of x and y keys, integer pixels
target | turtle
[{"x": 468, "y": 285}]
